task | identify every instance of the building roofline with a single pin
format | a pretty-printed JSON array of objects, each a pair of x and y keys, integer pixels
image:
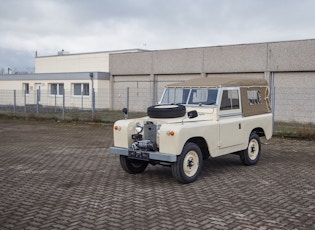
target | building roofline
[
  {"x": 125, "y": 51},
  {"x": 230, "y": 45},
  {"x": 97, "y": 52},
  {"x": 55, "y": 76}
]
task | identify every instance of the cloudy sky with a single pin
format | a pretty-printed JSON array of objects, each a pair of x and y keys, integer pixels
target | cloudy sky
[{"x": 48, "y": 26}]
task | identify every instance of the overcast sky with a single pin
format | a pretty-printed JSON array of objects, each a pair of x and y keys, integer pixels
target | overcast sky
[{"x": 48, "y": 26}]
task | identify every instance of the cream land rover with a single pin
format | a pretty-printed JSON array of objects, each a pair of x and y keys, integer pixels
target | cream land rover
[{"x": 194, "y": 120}]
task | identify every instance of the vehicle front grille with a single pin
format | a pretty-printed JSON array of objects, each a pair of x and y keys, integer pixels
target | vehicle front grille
[{"x": 149, "y": 131}]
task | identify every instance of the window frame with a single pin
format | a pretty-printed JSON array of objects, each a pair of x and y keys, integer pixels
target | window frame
[
  {"x": 26, "y": 88},
  {"x": 188, "y": 95},
  {"x": 82, "y": 89},
  {"x": 230, "y": 98},
  {"x": 232, "y": 111},
  {"x": 254, "y": 97},
  {"x": 58, "y": 93}
]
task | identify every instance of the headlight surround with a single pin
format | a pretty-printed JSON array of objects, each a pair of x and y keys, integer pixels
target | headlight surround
[{"x": 139, "y": 127}]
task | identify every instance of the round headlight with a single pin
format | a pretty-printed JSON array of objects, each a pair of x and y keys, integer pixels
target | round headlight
[{"x": 139, "y": 127}]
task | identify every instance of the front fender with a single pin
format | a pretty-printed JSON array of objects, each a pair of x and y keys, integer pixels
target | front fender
[
  {"x": 182, "y": 132},
  {"x": 122, "y": 132}
]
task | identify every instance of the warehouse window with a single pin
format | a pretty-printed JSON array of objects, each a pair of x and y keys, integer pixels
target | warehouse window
[
  {"x": 81, "y": 89},
  {"x": 56, "y": 89}
]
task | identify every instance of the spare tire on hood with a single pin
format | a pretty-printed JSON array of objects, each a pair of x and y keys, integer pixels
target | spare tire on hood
[{"x": 166, "y": 111}]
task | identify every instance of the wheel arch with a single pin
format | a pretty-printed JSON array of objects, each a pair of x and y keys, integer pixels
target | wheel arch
[
  {"x": 202, "y": 144},
  {"x": 259, "y": 131}
]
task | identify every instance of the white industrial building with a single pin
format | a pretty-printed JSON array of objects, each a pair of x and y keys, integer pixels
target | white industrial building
[
  {"x": 289, "y": 67},
  {"x": 49, "y": 89},
  {"x": 72, "y": 74},
  {"x": 64, "y": 62}
]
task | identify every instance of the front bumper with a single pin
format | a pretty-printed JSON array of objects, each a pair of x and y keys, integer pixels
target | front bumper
[{"x": 152, "y": 155}]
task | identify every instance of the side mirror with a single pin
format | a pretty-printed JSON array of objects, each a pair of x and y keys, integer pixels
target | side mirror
[
  {"x": 125, "y": 111},
  {"x": 192, "y": 114}
]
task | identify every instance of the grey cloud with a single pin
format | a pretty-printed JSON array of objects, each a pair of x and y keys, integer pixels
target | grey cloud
[{"x": 83, "y": 26}]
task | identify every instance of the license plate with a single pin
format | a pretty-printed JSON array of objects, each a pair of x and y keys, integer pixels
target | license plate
[{"x": 139, "y": 155}]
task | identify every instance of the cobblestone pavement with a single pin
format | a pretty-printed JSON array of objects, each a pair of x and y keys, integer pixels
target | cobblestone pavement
[{"x": 60, "y": 176}]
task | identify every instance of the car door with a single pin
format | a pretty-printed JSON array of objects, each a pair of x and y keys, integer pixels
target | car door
[{"x": 230, "y": 118}]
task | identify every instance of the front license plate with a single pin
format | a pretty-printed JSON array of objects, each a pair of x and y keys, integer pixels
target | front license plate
[{"x": 139, "y": 155}]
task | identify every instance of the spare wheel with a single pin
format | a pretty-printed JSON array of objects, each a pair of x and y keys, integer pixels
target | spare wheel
[{"x": 166, "y": 111}]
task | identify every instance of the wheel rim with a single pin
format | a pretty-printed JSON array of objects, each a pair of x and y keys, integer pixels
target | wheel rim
[
  {"x": 253, "y": 149},
  {"x": 191, "y": 163}
]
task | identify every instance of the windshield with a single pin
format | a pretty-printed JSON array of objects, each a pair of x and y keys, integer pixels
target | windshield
[{"x": 200, "y": 96}]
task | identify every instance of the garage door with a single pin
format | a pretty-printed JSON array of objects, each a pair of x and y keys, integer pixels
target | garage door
[
  {"x": 164, "y": 80},
  {"x": 294, "y": 97},
  {"x": 140, "y": 92}
]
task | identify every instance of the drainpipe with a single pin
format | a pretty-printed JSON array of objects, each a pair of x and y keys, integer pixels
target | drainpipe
[{"x": 272, "y": 98}]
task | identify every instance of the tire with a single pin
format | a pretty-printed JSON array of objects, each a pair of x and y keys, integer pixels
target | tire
[
  {"x": 166, "y": 111},
  {"x": 132, "y": 166},
  {"x": 188, "y": 165},
  {"x": 251, "y": 155}
]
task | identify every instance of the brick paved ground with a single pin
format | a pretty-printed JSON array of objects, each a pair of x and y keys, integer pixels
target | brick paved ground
[{"x": 57, "y": 176}]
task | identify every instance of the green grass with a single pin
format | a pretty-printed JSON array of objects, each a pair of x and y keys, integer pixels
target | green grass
[
  {"x": 74, "y": 115},
  {"x": 295, "y": 129}
]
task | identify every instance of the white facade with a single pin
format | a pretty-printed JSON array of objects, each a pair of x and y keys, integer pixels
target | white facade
[
  {"x": 48, "y": 89},
  {"x": 73, "y": 63},
  {"x": 290, "y": 66},
  {"x": 64, "y": 73}
]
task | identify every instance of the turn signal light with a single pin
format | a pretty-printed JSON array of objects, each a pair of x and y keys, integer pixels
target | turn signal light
[
  {"x": 170, "y": 133},
  {"x": 117, "y": 128}
]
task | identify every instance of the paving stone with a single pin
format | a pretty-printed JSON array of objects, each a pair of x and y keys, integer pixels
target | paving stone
[{"x": 61, "y": 176}]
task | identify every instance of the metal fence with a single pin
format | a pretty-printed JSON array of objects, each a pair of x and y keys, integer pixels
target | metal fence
[
  {"x": 135, "y": 99},
  {"x": 294, "y": 109},
  {"x": 59, "y": 105}
]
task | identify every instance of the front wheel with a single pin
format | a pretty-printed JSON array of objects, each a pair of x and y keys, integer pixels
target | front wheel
[
  {"x": 132, "y": 166},
  {"x": 251, "y": 155},
  {"x": 188, "y": 165}
]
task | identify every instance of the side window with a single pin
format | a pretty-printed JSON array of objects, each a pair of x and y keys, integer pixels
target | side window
[
  {"x": 254, "y": 97},
  {"x": 230, "y": 100}
]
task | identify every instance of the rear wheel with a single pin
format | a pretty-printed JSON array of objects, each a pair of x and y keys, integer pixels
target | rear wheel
[
  {"x": 188, "y": 165},
  {"x": 251, "y": 155},
  {"x": 132, "y": 166}
]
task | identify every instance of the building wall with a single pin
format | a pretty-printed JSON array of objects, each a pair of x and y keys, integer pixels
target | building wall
[
  {"x": 277, "y": 56},
  {"x": 291, "y": 63},
  {"x": 291, "y": 56},
  {"x": 73, "y": 63},
  {"x": 295, "y": 94},
  {"x": 146, "y": 73},
  {"x": 11, "y": 83}
]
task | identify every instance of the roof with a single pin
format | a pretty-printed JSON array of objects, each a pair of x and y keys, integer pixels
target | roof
[
  {"x": 219, "y": 81},
  {"x": 87, "y": 53},
  {"x": 55, "y": 76}
]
